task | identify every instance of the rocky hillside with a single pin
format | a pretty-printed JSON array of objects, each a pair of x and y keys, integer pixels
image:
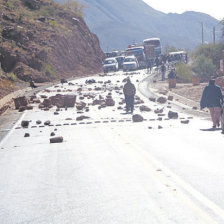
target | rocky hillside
[{"x": 45, "y": 40}]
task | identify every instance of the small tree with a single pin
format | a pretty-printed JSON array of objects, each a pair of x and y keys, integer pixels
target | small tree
[{"x": 204, "y": 67}]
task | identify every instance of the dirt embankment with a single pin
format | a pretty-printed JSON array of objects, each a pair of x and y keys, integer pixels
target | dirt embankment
[{"x": 45, "y": 41}]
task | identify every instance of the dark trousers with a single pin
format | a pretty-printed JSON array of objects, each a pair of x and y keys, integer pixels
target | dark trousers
[{"x": 129, "y": 100}]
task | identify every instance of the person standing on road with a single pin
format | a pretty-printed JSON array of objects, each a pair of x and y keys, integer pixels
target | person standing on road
[
  {"x": 149, "y": 66},
  {"x": 129, "y": 93},
  {"x": 163, "y": 71},
  {"x": 212, "y": 99}
]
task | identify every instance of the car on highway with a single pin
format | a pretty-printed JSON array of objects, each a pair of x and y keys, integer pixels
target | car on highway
[
  {"x": 110, "y": 64},
  {"x": 120, "y": 60},
  {"x": 130, "y": 63}
]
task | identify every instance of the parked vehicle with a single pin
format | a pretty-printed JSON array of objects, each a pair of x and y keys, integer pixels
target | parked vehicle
[
  {"x": 138, "y": 52},
  {"x": 178, "y": 56},
  {"x": 130, "y": 63},
  {"x": 110, "y": 64},
  {"x": 120, "y": 60}
]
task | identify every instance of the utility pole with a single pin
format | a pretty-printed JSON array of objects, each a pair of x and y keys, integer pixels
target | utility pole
[
  {"x": 202, "y": 33},
  {"x": 214, "y": 35}
]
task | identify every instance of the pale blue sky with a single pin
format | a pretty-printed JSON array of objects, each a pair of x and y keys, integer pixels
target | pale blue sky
[{"x": 214, "y": 8}]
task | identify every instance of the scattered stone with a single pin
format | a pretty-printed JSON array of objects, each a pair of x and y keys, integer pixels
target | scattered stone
[
  {"x": 152, "y": 99},
  {"x": 162, "y": 100},
  {"x": 137, "y": 118},
  {"x": 22, "y": 108},
  {"x": 160, "y": 127},
  {"x": 29, "y": 107},
  {"x": 172, "y": 115},
  {"x": 170, "y": 98},
  {"x": 25, "y": 124},
  {"x": 43, "y": 96},
  {"x": 47, "y": 102},
  {"x": 47, "y": 122},
  {"x": 144, "y": 108},
  {"x": 82, "y": 118},
  {"x": 56, "y": 113},
  {"x": 158, "y": 111},
  {"x": 27, "y": 135},
  {"x": 194, "y": 108},
  {"x": 38, "y": 122},
  {"x": 63, "y": 81},
  {"x": 56, "y": 140},
  {"x": 110, "y": 102},
  {"x": 185, "y": 121},
  {"x": 149, "y": 127},
  {"x": 81, "y": 105}
]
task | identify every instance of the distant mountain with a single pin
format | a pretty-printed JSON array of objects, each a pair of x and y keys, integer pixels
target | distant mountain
[{"x": 119, "y": 23}]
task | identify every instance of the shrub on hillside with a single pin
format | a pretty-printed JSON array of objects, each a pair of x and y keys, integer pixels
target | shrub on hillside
[
  {"x": 204, "y": 68},
  {"x": 210, "y": 51},
  {"x": 184, "y": 72}
]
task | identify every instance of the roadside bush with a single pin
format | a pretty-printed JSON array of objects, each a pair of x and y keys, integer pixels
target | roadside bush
[
  {"x": 211, "y": 51},
  {"x": 48, "y": 10},
  {"x": 49, "y": 71},
  {"x": 12, "y": 77},
  {"x": 204, "y": 68},
  {"x": 184, "y": 72},
  {"x": 12, "y": 4}
]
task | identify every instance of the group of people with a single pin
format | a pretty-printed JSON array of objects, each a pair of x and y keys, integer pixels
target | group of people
[{"x": 212, "y": 99}]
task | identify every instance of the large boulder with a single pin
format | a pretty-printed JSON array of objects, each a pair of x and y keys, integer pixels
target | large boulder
[
  {"x": 63, "y": 100},
  {"x": 20, "y": 101}
]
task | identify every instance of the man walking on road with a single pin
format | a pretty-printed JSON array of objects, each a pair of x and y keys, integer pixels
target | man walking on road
[
  {"x": 129, "y": 93},
  {"x": 212, "y": 99},
  {"x": 163, "y": 71}
]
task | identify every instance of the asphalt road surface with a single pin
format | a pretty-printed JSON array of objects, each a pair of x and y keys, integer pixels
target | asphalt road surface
[{"x": 109, "y": 170}]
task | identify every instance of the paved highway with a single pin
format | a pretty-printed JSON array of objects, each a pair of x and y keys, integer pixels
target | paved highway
[{"x": 109, "y": 169}]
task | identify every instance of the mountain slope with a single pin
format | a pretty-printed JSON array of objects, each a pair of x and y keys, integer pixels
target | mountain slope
[
  {"x": 119, "y": 23},
  {"x": 42, "y": 39}
]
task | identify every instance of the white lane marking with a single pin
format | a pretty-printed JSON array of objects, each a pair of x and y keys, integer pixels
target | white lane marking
[
  {"x": 12, "y": 130},
  {"x": 187, "y": 187}
]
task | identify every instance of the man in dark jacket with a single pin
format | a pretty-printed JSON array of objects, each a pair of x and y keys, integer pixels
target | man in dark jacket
[
  {"x": 163, "y": 71},
  {"x": 212, "y": 99},
  {"x": 129, "y": 93}
]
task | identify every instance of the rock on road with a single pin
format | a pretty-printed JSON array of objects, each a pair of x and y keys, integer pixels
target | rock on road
[{"x": 109, "y": 169}]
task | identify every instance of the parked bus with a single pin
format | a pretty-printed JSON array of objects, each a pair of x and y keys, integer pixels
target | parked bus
[{"x": 153, "y": 47}]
